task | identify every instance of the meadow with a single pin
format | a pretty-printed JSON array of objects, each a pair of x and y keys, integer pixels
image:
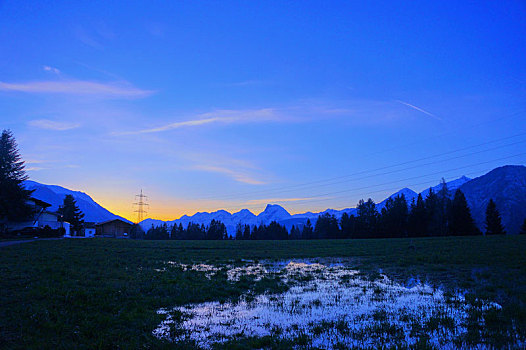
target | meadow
[{"x": 106, "y": 293}]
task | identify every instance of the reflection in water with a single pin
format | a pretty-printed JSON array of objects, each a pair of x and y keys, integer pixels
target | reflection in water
[{"x": 327, "y": 304}]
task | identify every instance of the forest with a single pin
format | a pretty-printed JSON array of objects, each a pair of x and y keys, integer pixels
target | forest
[{"x": 438, "y": 214}]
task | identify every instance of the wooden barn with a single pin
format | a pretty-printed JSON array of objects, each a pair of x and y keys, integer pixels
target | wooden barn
[{"x": 115, "y": 228}]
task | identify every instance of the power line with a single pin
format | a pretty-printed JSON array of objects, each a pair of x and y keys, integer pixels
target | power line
[
  {"x": 311, "y": 198},
  {"x": 332, "y": 181},
  {"x": 512, "y": 115},
  {"x": 368, "y": 194}
]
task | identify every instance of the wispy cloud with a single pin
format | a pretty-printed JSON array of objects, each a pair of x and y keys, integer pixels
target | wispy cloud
[
  {"x": 183, "y": 124},
  {"x": 219, "y": 116},
  {"x": 39, "y": 168},
  {"x": 51, "y": 69},
  {"x": 237, "y": 175},
  {"x": 52, "y": 125},
  {"x": 35, "y": 168},
  {"x": 419, "y": 109},
  {"x": 78, "y": 87},
  {"x": 36, "y": 161},
  {"x": 357, "y": 112}
]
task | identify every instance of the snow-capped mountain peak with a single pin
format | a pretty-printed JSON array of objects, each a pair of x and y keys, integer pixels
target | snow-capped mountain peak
[{"x": 273, "y": 212}]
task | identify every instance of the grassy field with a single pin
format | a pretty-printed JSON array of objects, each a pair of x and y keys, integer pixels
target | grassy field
[{"x": 104, "y": 293}]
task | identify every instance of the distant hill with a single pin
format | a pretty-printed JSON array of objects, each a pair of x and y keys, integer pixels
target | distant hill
[
  {"x": 54, "y": 195},
  {"x": 507, "y": 187}
]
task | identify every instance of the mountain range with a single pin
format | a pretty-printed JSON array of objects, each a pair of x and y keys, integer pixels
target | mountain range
[
  {"x": 505, "y": 185},
  {"x": 54, "y": 195}
]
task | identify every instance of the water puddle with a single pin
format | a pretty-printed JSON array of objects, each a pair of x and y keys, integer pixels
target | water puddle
[{"x": 328, "y": 305}]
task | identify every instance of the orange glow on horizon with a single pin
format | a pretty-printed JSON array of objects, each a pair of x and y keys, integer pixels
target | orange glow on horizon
[{"x": 168, "y": 209}]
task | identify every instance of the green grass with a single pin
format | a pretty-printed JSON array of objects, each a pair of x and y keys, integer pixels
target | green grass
[
  {"x": 23, "y": 238},
  {"x": 104, "y": 293}
]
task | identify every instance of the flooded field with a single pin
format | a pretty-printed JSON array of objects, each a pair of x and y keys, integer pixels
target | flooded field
[{"x": 327, "y": 304}]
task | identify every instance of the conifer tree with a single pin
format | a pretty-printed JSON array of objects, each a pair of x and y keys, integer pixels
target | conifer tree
[
  {"x": 181, "y": 232},
  {"x": 295, "y": 232},
  {"x": 493, "y": 220},
  {"x": 367, "y": 219},
  {"x": 433, "y": 213},
  {"x": 246, "y": 232},
  {"x": 417, "y": 222},
  {"x": 461, "y": 222},
  {"x": 13, "y": 195},
  {"x": 136, "y": 232},
  {"x": 523, "y": 228},
  {"x": 347, "y": 225},
  {"x": 216, "y": 230},
  {"x": 174, "y": 232},
  {"x": 158, "y": 232},
  {"x": 239, "y": 232},
  {"x": 443, "y": 208},
  {"x": 393, "y": 218},
  {"x": 326, "y": 227},
  {"x": 254, "y": 234},
  {"x": 307, "y": 232},
  {"x": 71, "y": 213}
]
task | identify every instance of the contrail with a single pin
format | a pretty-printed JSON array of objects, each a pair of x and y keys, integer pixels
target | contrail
[{"x": 419, "y": 109}]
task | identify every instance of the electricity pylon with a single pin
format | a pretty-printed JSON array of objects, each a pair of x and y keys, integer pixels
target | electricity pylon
[{"x": 141, "y": 206}]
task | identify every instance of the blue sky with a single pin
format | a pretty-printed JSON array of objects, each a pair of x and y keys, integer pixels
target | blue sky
[{"x": 209, "y": 105}]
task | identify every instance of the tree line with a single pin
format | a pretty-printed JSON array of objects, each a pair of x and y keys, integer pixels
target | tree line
[{"x": 438, "y": 214}]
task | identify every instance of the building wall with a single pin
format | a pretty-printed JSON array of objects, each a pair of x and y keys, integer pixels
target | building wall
[
  {"x": 89, "y": 232},
  {"x": 114, "y": 229},
  {"x": 48, "y": 217}
]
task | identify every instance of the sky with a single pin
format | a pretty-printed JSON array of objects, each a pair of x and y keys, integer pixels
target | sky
[{"x": 208, "y": 105}]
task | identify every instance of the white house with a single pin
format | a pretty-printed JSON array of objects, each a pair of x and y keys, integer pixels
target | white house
[
  {"x": 40, "y": 219},
  {"x": 53, "y": 220}
]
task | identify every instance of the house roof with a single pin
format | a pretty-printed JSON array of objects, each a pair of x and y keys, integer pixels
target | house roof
[
  {"x": 52, "y": 213},
  {"x": 108, "y": 221},
  {"x": 40, "y": 203}
]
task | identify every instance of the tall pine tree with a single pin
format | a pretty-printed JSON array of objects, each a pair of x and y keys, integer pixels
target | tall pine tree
[
  {"x": 136, "y": 232},
  {"x": 523, "y": 228},
  {"x": 239, "y": 232},
  {"x": 326, "y": 227},
  {"x": 367, "y": 219},
  {"x": 433, "y": 213},
  {"x": 417, "y": 223},
  {"x": 13, "y": 195},
  {"x": 246, "y": 232},
  {"x": 461, "y": 222},
  {"x": 348, "y": 225},
  {"x": 393, "y": 218},
  {"x": 443, "y": 206},
  {"x": 307, "y": 232},
  {"x": 71, "y": 213},
  {"x": 216, "y": 231},
  {"x": 493, "y": 220},
  {"x": 295, "y": 232}
]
